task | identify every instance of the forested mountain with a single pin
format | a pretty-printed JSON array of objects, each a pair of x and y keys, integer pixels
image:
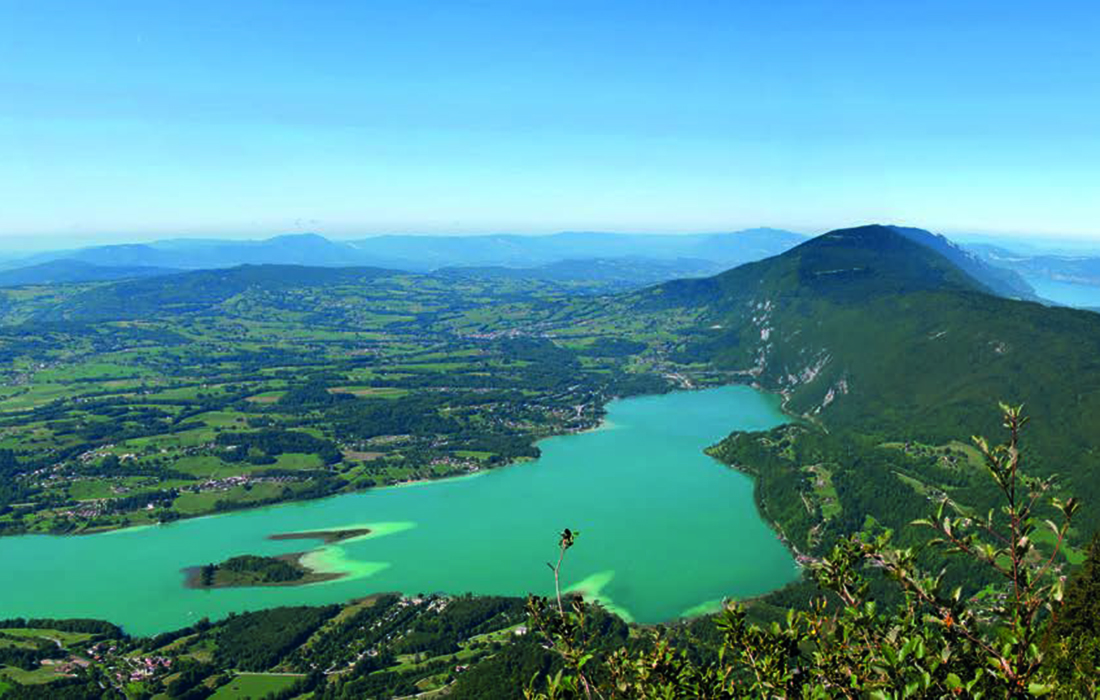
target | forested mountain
[
  {"x": 880, "y": 338},
  {"x": 883, "y": 321}
]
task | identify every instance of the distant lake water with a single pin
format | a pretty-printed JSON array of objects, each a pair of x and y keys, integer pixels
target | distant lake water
[
  {"x": 665, "y": 532},
  {"x": 1066, "y": 293}
]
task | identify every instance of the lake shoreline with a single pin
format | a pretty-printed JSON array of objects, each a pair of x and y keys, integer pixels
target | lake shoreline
[
  {"x": 193, "y": 574},
  {"x": 737, "y": 379},
  {"x": 656, "y": 449}
]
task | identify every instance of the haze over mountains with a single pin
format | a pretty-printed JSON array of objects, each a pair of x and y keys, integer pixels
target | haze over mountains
[
  {"x": 425, "y": 253},
  {"x": 609, "y": 261}
]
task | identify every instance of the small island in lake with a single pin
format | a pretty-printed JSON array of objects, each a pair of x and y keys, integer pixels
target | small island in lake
[
  {"x": 251, "y": 570},
  {"x": 284, "y": 570}
]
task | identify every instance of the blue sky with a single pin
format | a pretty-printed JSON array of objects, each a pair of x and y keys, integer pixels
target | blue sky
[{"x": 139, "y": 120}]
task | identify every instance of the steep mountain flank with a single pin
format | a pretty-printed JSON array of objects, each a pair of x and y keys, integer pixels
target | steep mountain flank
[
  {"x": 1000, "y": 279},
  {"x": 867, "y": 332}
]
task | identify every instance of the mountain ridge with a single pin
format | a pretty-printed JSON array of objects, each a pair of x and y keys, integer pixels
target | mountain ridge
[{"x": 916, "y": 348}]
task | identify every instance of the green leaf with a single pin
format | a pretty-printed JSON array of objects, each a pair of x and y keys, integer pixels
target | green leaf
[
  {"x": 904, "y": 651},
  {"x": 890, "y": 654},
  {"x": 919, "y": 649}
]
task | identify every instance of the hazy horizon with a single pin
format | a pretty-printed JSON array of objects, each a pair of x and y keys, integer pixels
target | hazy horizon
[{"x": 18, "y": 245}]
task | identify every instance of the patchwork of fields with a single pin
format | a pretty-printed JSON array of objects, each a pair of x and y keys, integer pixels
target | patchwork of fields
[{"x": 144, "y": 401}]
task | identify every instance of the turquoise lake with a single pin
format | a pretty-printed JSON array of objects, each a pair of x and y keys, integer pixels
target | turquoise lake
[{"x": 665, "y": 532}]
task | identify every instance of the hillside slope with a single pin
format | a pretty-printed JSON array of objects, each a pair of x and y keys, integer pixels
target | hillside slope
[
  {"x": 1001, "y": 280},
  {"x": 67, "y": 271},
  {"x": 602, "y": 274},
  {"x": 200, "y": 290},
  {"x": 869, "y": 333}
]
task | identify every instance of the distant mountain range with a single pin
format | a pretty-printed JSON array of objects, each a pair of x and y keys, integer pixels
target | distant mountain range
[
  {"x": 194, "y": 254},
  {"x": 153, "y": 290},
  {"x": 611, "y": 260},
  {"x": 431, "y": 252},
  {"x": 426, "y": 253}
]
